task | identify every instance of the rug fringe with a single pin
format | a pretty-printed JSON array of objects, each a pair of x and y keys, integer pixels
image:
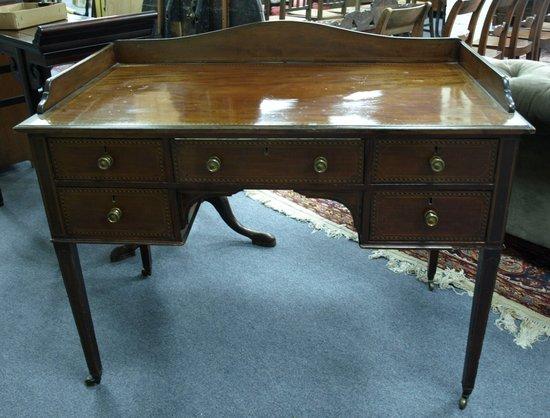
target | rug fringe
[{"x": 526, "y": 325}]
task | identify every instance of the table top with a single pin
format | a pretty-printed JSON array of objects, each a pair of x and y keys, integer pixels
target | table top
[
  {"x": 354, "y": 95},
  {"x": 240, "y": 79}
]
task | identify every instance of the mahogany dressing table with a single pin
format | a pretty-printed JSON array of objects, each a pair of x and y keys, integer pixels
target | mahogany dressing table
[{"x": 417, "y": 137}]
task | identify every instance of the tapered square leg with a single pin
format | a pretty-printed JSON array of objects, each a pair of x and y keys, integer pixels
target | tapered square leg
[
  {"x": 481, "y": 305},
  {"x": 146, "y": 260},
  {"x": 432, "y": 268},
  {"x": 69, "y": 263}
]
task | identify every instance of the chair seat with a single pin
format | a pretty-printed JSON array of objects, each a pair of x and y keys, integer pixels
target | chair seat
[
  {"x": 524, "y": 34},
  {"x": 523, "y": 46},
  {"x": 493, "y": 53}
]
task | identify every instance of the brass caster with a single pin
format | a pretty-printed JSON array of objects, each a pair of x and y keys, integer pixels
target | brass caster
[
  {"x": 431, "y": 286},
  {"x": 463, "y": 402},
  {"x": 92, "y": 381}
]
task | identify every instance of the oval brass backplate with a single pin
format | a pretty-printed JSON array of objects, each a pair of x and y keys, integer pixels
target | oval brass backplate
[
  {"x": 105, "y": 162},
  {"x": 213, "y": 164},
  {"x": 320, "y": 165},
  {"x": 114, "y": 215},
  {"x": 437, "y": 164},
  {"x": 431, "y": 217}
]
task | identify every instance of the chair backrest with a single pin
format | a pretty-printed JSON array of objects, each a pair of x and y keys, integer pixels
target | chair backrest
[
  {"x": 540, "y": 8},
  {"x": 404, "y": 20},
  {"x": 462, "y": 7},
  {"x": 512, "y": 12},
  {"x": 291, "y": 6}
]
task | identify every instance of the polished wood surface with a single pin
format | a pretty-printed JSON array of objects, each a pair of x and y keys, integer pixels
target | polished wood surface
[
  {"x": 406, "y": 160},
  {"x": 352, "y": 95},
  {"x": 422, "y": 153},
  {"x": 258, "y": 161},
  {"x": 145, "y": 214},
  {"x": 400, "y": 216},
  {"x": 78, "y": 159}
]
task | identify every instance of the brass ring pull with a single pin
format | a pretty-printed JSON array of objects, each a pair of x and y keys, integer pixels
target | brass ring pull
[
  {"x": 431, "y": 217},
  {"x": 105, "y": 162},
  {"x": 213, "y": 164},
  {"x": 320, "y": 165},
  {"x": 114, "y": 215},
  {"x": 437, "y": 164}
]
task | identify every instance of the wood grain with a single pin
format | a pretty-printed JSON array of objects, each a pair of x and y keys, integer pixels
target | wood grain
[
  {"x": 269, "y": 161},
  {"x": 276, "y": 41},
  {"x": 262, "y": 95},
  {"x": 406, "y": 160},
  {"x": 399, "y": 216},
  {"x": 77, "y": 159}
]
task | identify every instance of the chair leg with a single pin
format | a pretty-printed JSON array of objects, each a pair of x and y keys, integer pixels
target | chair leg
[
  {"x": 432, "y": 268},
  {"x": 1, "y": 198},
  {"x": 146, "y": 260},
  {"x": 431, "y": 23}
]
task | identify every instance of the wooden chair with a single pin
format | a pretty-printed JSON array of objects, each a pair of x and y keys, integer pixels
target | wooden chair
[
  {"x": 436, "y": 16},
  {"x": 324, "y": 6},
  {"x": 535, "y": 34},
  {"x": 463, "y": 7},
  {"x": 402, "y": 21},
  {"x": 296, "y": 9},
  {"x": 503, "y": 45}
]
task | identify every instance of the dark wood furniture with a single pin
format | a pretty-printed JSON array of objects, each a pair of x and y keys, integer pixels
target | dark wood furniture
[
  {"x": 500, "y": 32},
  {"x": 146, "y": 148},
  {"x": 406, "y": 20},
  {"x": 463, "y": 7},
  {"x": 34, "y": 51},
  {"x": 534, "y": 33},
  {"x": 13, "y": 145}
]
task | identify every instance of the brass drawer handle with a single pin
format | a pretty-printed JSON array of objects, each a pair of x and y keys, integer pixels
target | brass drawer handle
[
  {"x": 213, "y": 164},
  {"x": 114, "y": 215},
  {"x": 437, "y": 164},
  {"x": 431, "y": 217},
  {"x": 105, "y": 162},
  {"x": 320, "y": 165}
]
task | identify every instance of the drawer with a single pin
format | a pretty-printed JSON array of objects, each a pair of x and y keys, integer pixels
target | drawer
[
  {"x": 435, "y": 161},
  {"x": 118, "y": 214},
  {"x": 429, "y": 216},
  {"x": 96, "y": 159},
  {"x": 269, "y": 161}
]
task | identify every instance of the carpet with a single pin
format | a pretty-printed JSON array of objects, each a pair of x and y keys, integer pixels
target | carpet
[
  {"x": 310, "y": 328},
  {"x": 522, "y": 291}
]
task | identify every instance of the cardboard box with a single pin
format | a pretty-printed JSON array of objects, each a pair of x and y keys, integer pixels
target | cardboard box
[{"x": 23, "y": 15}]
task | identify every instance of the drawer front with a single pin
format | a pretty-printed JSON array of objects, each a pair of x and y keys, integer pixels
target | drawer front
[
  {"x": 125, "y": 160},
  {"x": 270, "y": 161},
  {"x": 435, "y": 161},
  {"x": 124, "y": 214},
  {"x": 430, "y": 216}
]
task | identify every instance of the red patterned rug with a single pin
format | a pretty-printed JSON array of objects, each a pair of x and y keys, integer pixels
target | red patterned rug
[{"x": 522, "y": 292}]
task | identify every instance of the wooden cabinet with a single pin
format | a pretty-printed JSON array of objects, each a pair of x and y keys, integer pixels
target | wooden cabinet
[{"x": 13, "y": 145}]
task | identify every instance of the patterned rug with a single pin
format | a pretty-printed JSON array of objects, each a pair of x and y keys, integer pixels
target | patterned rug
[{"x": 522, "y": 292}]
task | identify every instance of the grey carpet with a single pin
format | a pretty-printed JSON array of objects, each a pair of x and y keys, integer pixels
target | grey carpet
[{"x": 222, "y": 328}]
